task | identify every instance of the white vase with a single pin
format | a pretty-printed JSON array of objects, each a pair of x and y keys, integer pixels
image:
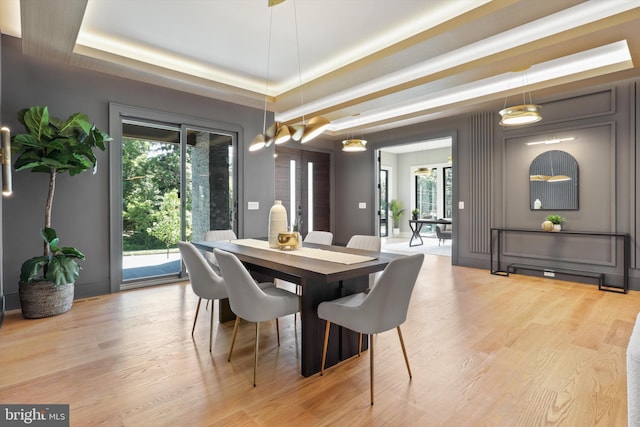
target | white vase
[
  {"x": 277, "y": 223},
  {"x": 557, "y": 227}
]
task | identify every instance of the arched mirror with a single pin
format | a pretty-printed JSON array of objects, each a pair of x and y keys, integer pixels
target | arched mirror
[{"x": 553, "y": 181}]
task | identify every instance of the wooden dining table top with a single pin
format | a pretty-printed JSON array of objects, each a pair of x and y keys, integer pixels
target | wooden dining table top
[{"x": 290, "y": 264}]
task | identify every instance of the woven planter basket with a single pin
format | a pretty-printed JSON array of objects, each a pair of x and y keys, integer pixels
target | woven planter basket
[{"x": 45, "y": 299}]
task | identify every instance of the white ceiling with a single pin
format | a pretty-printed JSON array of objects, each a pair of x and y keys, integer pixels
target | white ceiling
[{"x": 366, "y": 65}]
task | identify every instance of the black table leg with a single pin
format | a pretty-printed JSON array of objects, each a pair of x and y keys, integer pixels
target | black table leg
[{"x": 415, "y": 230}]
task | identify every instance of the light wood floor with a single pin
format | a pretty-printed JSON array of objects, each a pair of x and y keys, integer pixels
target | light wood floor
[{"x": 485, "y": 351}]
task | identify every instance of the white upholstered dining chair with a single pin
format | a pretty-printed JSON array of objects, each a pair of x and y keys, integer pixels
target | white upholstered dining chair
[
  {"x": 215, "y": 235},
  {"x": 319, "y": 237},
  {"x": 205, "y": 282},
  {"x": 251, "y": 303},
  {"x": 368, "y": 243},
  {"x": 383, "y": 308}
]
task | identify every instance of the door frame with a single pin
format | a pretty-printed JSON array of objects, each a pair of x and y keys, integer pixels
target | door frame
[{"x": 118, "y": 112}]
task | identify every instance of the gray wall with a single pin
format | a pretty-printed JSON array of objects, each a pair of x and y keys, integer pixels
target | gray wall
[
  {"x": 489, "y": 164},
  {"x": 81, "y": 204},
  {"x": 491, "y": 178}
]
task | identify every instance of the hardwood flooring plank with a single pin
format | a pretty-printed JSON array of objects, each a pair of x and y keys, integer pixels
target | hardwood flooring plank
[{"x": 484, "y": 351}]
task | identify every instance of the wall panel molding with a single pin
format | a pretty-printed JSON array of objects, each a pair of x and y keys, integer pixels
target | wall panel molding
[{"x": 480, "y": 172}]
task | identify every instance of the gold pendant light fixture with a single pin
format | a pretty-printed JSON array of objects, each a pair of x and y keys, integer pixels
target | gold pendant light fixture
[
  {"x": 354, "y": 145},
  {"x": 317, "y": 124},
  {"x": 422, "y": 171},
  {"x": 523, "y": 114},
  {"x": 279, "y": 133},
  {"x": 261, "y": 140}
]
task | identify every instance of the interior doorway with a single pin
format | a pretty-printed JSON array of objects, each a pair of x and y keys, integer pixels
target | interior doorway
[
  {"x": 303, "y": 184},
  {"x": 419, "y": 176}
]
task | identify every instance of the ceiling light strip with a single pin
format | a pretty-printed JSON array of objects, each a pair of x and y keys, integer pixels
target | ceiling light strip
[
  {"x": 562, "y": 21},
  {"x": 614, "y": 53}
]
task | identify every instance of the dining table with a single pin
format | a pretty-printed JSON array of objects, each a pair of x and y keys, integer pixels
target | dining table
[
  {"x": 416, "y": 227},
  {"x": 325, "y": 273}
]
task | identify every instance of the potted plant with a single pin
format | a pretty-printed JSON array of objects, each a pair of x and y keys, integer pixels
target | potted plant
[
  {"x": 556, "y": 223},
  {"x": 53, "y": 146},
  {"x": 396, "y": 213},
  {"x": 414, "y": 214}
]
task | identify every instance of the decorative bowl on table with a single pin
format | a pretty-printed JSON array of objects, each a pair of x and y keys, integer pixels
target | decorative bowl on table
[{"x": 288, "y": 240}]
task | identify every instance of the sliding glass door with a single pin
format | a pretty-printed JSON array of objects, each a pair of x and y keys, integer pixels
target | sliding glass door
[{"x": 177, "y": 182}]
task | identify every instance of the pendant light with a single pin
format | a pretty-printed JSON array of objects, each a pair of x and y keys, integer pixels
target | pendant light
[
  {"x": 422, "y": 171},
  {"x": 261, "y": 140},
  {"x": 523, "y": 114},
  {"x": 354, "y": 145},
  {"x": 318, "y": 124},
  {"x": 279, "y": 133}
]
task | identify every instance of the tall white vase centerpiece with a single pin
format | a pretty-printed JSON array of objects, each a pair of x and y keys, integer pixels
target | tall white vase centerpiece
[{"x": 277, "y": 223}]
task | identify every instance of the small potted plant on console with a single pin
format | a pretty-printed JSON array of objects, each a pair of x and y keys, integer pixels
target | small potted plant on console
[{"x": 553, "y": 223}]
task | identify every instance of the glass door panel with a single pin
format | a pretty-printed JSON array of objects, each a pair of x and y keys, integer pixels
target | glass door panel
[
  {"x": 151, "y": 220},
  {"x": 384, "y": 201},
  {"x": 209, "y": 203},
  {"x": 427, "y": 197},
  {"x": 448, "y": 192}
]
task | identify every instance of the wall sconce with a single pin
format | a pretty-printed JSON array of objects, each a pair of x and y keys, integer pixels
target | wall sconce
[
  {"x": 553, "y": 140},
  {"x": 7, "y": 188}
]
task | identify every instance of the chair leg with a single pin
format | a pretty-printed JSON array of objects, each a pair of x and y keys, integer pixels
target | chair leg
[
  {"x": 371, "y": 365},
  {"x": 359, "y": 343},
  {"x": 324, "y": 347},
  {"x": 233, "y": 338},
  {"x": 211, "y": 328},
  {"x": 404, "y": 351},
  {"x": 255, "y": 356},
  {"x": 278, "y": 331},
  {"x": 196, "y": 318}
]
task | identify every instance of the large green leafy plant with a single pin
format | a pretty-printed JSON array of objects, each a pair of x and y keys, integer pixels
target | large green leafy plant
[{"x": 53, "y": 146}]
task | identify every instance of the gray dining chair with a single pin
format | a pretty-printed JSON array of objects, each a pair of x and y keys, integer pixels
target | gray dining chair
[
  {"x": 383, "y": 308},
  {"x": 213, "y": 236},
  {"x": 251, "y": 303},
  {"x": 368, "y": 243},
  {"x": 319, "y": 237},
  {"x": 205, "y": 282}
]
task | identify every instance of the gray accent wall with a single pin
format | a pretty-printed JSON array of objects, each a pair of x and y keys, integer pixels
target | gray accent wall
[
  {"x": 490, "y": 170},
  {"x": 491, "y": 167},
  {"x": 81, "y": 204}
]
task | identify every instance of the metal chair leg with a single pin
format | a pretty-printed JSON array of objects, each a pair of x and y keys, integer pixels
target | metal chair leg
[
  {"x": 196, "y": 318},
  {"x": 233, "y": 338},
  {"x": 211, "y": 328},
  {"x": 255, "y": 356},
  {"x": 278, "y": 331},
  {"x": 371, "y": 364},
  {"x": 324, "y": 347},
  {"x": 404, "y": 351}
]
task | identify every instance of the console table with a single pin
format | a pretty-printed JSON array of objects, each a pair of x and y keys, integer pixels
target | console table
[
  {"x": 512, "y": 268},
  {"x": 416, "y": 226}
]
